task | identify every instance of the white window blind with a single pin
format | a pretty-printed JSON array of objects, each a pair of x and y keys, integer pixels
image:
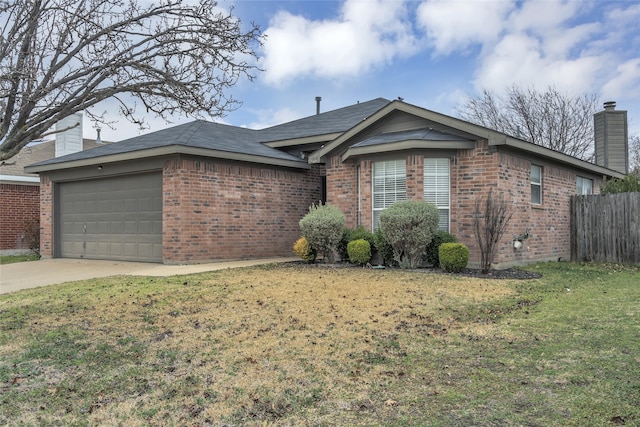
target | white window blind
[
  {"x": 437, "y": 188},
  {"x": 584, "y": 186},
  {"x": 389, "y": 186},
  {"x": 536, "y": 184}
]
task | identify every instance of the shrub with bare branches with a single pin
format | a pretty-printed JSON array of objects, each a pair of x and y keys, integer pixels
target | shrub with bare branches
[{"x": 491, "y": 217}]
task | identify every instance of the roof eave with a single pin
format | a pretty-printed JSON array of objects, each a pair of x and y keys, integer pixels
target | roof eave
[
  {"x": 169, "y": 150},
  {"x": 412, "y": 144},
  {"x": 554, "y": 155},
  {"x": 20, "y": 179},
  {"x": 307, "y": 140}
]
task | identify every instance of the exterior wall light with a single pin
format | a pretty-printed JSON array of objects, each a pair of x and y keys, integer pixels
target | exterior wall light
[{"x": 517, "y": 240}]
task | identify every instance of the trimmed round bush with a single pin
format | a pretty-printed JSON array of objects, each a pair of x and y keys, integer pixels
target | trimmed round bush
[
  {"x": 453, "y": 257},
  {"x": 433, "y": 256},
  {"x": 409, "y": 226},
  {"x": 350, "y": 234},
  {"x": 303, "y": 249},
  {"x": 359, "y": 251},
  {"x": 322, "y": 227}
]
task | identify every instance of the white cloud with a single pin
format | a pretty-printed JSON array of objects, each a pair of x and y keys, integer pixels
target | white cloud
[
  {"x": 561, "y": 43},
  {"x": 626, "y": 79},
  {"x": 456, "y": 25},
  {"x": 367, "y": 34},
  {"x": 267, "y": 118},
  {"x": 539, "y": 17},
  {"x": 519, "y": 60}
]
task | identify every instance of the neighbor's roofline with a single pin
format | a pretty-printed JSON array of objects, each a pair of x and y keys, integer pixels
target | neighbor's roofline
[
  {"x": 168, "y": 150},
  {"x": 19, "y": 179}
]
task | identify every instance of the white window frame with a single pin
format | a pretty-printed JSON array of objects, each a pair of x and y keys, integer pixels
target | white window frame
[
  {"x": 584, "y": 186},
  {"x": 437, "y": 188},
  {"x": 536, "y": 182},
  {"x": 388, "y": 185}
]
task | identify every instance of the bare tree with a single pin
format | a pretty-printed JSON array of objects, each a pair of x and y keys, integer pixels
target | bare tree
[
  {"x": 550, "y": 118},
  {"x": 59, "y": 57},
  {"x": 491, "y": 217}
]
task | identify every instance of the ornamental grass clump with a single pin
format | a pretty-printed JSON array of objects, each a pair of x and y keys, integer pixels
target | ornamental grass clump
[
  {"x": 453, "y": 257},
  {"x": 359, "y": 251},
  {"x": 322, "y": 227},
  {"x": 409, "y": 226}
]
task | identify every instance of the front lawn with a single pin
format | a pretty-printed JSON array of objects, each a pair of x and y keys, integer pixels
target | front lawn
[
  {"x": 298, "y": 345},
  {"x": 10, "y": 259}
]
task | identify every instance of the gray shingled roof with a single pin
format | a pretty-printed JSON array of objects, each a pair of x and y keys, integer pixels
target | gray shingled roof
[
  {"x": 424, "y": 134},
  {"x": 339, "y": 120},
  {"x": 216, "y": 136},
  {"x": 196, "y": 134}
]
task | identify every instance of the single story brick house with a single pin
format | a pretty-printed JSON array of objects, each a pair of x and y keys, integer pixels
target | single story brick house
[
  {"x": 203, "y": 191},
  {"x": 20, "y": 190}
]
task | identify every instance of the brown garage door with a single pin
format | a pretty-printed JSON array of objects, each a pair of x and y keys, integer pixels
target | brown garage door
[{"x": 118, "y": 218}]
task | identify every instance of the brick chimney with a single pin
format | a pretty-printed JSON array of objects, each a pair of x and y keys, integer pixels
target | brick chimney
[
  {"x": 612, "y": 138},
  {"x": 69, "y": 141}
]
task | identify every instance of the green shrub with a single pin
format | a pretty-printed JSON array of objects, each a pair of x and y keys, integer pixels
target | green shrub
[
  {"x": 350, "y": 234},
  {"x": 432, "y": 256},
  {"x": 359, "y": 251},
  {"x": 629, "y": 184},
  {"x": 322, "y": 227},
  {"x": 384, "y": 248},
  {"x": 409, "y": 226},
  {"x": 453, "y": 257},
  {"x": 303, "y": 249}
]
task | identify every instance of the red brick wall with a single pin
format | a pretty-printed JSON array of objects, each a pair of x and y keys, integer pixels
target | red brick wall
[
  {"x": 18, "y": 203},
  {"x": 218, "y": 210},
  {"x": 342, "y": 188},
  {"x": 473, "y": 173},
  {"x": 46, "y": 217}
]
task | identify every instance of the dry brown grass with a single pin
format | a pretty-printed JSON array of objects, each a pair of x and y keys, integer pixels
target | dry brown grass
[{"x": 293, "y": 346}]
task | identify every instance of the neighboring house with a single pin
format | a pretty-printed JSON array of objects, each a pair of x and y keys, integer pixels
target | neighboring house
[
  {"x": 203, "y": 191},
  {"x": 20, "y": 190}
]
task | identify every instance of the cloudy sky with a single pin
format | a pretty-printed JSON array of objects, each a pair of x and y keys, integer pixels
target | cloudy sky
[{"x": 431, "y": 53}]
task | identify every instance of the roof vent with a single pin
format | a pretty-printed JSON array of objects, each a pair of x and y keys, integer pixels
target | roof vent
[{"x": 318, "y": 99}]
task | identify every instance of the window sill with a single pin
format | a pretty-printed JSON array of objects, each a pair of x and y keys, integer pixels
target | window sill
[{"x": 539, "y": 207}]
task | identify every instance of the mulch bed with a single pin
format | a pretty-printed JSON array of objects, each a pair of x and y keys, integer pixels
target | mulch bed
[{"x": 508, "y": 273}]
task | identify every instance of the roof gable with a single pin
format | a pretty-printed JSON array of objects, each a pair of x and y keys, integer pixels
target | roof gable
[
  {"x": 399, "y": 121},
  {"x": 346, "y": 144}
]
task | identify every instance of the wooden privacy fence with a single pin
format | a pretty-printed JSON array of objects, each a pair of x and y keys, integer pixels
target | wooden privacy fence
[{"x": 606, "y": 228}]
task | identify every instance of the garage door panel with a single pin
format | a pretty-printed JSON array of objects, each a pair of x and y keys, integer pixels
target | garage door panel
[{"x": 113, "y": 218}]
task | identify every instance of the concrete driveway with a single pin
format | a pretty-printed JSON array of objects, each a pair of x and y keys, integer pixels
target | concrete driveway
[{"x": 25, "y": 275}]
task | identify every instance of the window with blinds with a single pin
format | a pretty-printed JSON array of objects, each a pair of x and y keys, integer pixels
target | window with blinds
[
  {"x": 437, "y": 188},
  {"x": 389, "y": 186},
  {"x": 536, "y": 184},
  {"x": 584, "y": 186}
]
